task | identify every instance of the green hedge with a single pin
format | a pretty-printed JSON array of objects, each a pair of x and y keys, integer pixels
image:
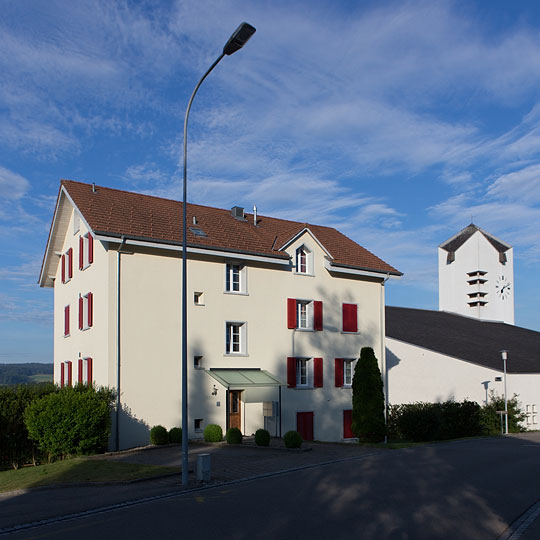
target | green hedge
[
  {"x": 292, "y": 439},
  {"x": 262, "y": 437},
  {"x": 16, "y": 449},
  {"x": 159, "y": 435},
  {"x": 71, "y": 421},
  {"x": 233, "y": 436},
  {"x": 213, "y": 433}
]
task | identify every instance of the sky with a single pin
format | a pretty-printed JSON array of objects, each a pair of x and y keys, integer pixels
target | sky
[{"x": 396, "y": 122}]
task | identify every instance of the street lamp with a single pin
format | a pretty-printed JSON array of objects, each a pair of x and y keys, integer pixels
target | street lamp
[
  {"x": 504, "y": 356},
  {"x": 238, "y": 39}
]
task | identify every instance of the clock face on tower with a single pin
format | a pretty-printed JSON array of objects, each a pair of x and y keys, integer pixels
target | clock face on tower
[{"x": 503, "y": 287}]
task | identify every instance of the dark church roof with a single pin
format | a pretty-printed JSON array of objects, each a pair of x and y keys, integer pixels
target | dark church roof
[
  {"x": 472, "y": 340},
  {"x": 461, "y": 237}
]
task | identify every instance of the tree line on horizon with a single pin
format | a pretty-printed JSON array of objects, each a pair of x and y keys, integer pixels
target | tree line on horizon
[{"x": 28, "y": 373}]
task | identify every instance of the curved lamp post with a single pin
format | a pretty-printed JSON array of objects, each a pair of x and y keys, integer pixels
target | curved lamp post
[{"x": 238, "y": 39}]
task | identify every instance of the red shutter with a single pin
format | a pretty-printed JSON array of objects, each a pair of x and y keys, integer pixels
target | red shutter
[
  {"x": 291, "y": 372},
  {"x": 70, "y": 262},
  {"x": 317, "y": 315},
  {"x": 347, "y": 424},
  {"x": 90, "y": 249},
  {"x": 350, "y": 318},
  {"x": 338, "y": 362},
  {"x": 81, "y": 364},
  {"x": 81, "y": 252},
  {"x": 66, "y": 321},
  {"x": 62, "y": 367},
  {"x": 291, "y": 313},
  {"x": 89, "y": 374},
  {"x": 318, "y": 372},
  {"x": 81, "y": 307},
  {"x": 90, "y": 306},
  {"x": 63, "y": 262},
  {"x": 70, "y": 373}
]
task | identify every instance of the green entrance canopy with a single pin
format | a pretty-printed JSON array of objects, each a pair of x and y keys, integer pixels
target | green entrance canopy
[{"x": 240, "y": 379}]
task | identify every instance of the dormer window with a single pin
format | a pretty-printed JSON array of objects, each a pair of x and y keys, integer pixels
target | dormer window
[{"x": 304, "y": 264}]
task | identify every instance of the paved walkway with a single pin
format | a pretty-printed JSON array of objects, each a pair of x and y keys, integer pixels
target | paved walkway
[{"x": 228, "y": 463}]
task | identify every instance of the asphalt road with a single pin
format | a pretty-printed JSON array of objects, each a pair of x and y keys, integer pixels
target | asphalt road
[{"x": 461, "y": 490}]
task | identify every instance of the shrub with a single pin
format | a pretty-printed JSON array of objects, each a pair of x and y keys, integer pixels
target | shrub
[
  {"x": 175, "y": 435},
  {"x": 262, "y": 437},
  {"x": 233, "y": 436},
  {"x": 419, "y": 421},
  {"x": 292, "y": 439},
  {"x": 16, "y": 448},
  {"x": 159, "y": 435},
  {"x": 213, "y": 433},
  {"x": 491, "y": 421},
  {"x": 71, "y": 421},
  {"x": 368, "y": 399}
]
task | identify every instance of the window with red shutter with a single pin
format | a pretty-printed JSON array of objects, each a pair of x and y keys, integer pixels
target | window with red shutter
[
  {"x": 81, "y": 252},
  {"x": 89, "y": 371},
  {"x": 62, "y": 374},
  {"x": 81, "y": 312},
  {"x": 63, "y": 268},
  {"x": 291, "y": 313},
  {"x": 70, "y": 262},
  {"x": 318, "y": 372},
  {"x": 291, "y": 372},
  {"x": 90, "y": 249},
  {"x": 338, "y": 371},
  {"x": 69, "y": 373},
  {"x": 66, "y": 321},
  {"x": 350, "y": 318},
  {"x": 81, "y": 367},
  {"x": 90, "y": 309},
  {"x": 317, "y": 315}
]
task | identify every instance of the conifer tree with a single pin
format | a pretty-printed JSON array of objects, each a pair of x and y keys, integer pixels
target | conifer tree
[{"x": 368, "y": 399}]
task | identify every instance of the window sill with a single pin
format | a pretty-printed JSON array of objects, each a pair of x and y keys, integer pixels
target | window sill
[
  {"x": 303, "y": 388},
  {"x": 347, "y": 332},
  {"x": 67, "y": 335},
  {"x": 196, "y": 304},
  {"x": 236, "y": 293},
  {"x": 235, "y": 354},
  {"x": 304, "y": 329},
  {"x": 307, "y": 274}
]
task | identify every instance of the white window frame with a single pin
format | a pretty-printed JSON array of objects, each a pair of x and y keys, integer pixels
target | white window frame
[
  {"x": 67, "y": 261},
  {"x": 85, "y": 371},
  {"x": 238, "y": 346},
  {"x": 86, "y": 251},
  {"x": 304, "y": 314},
  {"x": 304, "y": 268},
  {"x": 235, "y": 278},
  {"x": 65, "y": 382},
  {"x": 85, "y": 325},
  {"x": 347, "y": 381},
  {"x": 304, "y": 372}
]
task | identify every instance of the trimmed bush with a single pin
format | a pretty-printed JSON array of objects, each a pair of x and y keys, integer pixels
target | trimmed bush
[
  {"x": 16, "y": 449},
  {"x": 175, "y": 435},
  {"x": 233, "y": 436},
  {"x": 368, "y": 399},
  {"x": 262, "y": 437},
  {"x": 71, "y": 421},
  {"x": 292, "y": 439},
  {"x": 159, "y": 435},
  {"x": 213, "y": 433}
]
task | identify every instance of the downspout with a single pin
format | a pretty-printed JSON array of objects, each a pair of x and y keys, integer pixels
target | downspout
[
  {"x": 118, "y": 400},
  {"x": 383, "y": 354}
]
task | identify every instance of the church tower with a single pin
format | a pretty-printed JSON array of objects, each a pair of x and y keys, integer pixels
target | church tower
[{"x": 476, "y": 276}]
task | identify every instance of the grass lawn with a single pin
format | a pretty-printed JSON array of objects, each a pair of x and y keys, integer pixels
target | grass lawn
[{"x": 78, "y": 470}]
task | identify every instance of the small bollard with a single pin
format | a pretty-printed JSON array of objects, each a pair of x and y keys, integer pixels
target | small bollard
[{"x": 203, "y": 467}]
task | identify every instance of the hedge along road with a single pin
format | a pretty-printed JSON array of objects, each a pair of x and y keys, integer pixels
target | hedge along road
[{"x": 470, "y": 489}]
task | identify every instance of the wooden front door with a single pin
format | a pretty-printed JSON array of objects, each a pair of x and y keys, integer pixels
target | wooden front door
[
  {"x": 304, "y": 425},
  {"x": 235, "y": 409},
  {"x": 347, "y": 424}
]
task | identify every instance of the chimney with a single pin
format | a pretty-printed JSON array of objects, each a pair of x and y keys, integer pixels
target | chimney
[
  {"x": 237, "y": 212},
  {"x": 93, "y": 187},
  {"x": 255, "y": 215}
]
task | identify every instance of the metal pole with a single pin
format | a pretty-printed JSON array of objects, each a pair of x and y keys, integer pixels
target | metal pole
[
  {"x": 505, "y": 398},
  {"x": 185, "y": 426}
]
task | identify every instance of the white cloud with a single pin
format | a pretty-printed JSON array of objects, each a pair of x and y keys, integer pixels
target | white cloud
[
  {"x": 13, "y": 186},
  {"x": 522, "y": 185}
]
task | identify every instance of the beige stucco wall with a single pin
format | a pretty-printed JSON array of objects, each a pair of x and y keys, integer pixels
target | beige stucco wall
[{"x": 417, "y": 374}]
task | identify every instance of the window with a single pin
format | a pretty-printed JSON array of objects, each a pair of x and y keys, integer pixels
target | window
[
  {"x": 86, "y": 251},
  {"x": 66, "y": 264},
  {"x": 531, "y": 413},
  {"x": 198, "y": 299},
  {"x": 86, "y": 311},
  {"x": 66, "y": 373},
  {"x": 197, "y": 424},
  {"x": 344, "y": 371},
  {"x": 304, "y": 261},
  {"x": 235, "y": 338},
  {"x": 304, "y": 372},
  {"x": 350, "y": 318},
  {"x": 235, "y": 278},
  {"x": 66, "y": 321},
  {"x": 304, "y": 314},
  {"x": 85, "y": 371},
  {"x": 347, "y": 372},
  {"x": 197, "y": 362}
]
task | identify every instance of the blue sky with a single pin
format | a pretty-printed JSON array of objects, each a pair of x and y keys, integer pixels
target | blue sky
[{"x": 396, "y": 122}]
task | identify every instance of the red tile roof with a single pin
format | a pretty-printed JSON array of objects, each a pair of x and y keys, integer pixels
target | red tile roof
[{"x": 115, "y": 212}]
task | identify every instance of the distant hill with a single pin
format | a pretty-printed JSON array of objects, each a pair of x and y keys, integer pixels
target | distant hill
[{"x": 25, "y": 373}]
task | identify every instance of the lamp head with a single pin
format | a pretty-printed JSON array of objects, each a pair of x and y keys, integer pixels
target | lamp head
[
  {"x": 239, "y": 38},
  {"x": 504, "y": 355}
]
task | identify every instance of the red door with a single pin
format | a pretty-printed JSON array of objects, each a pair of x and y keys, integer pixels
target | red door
[
  {"x": 347, "y": 424},
  {"x": 304, "y": 425}
]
